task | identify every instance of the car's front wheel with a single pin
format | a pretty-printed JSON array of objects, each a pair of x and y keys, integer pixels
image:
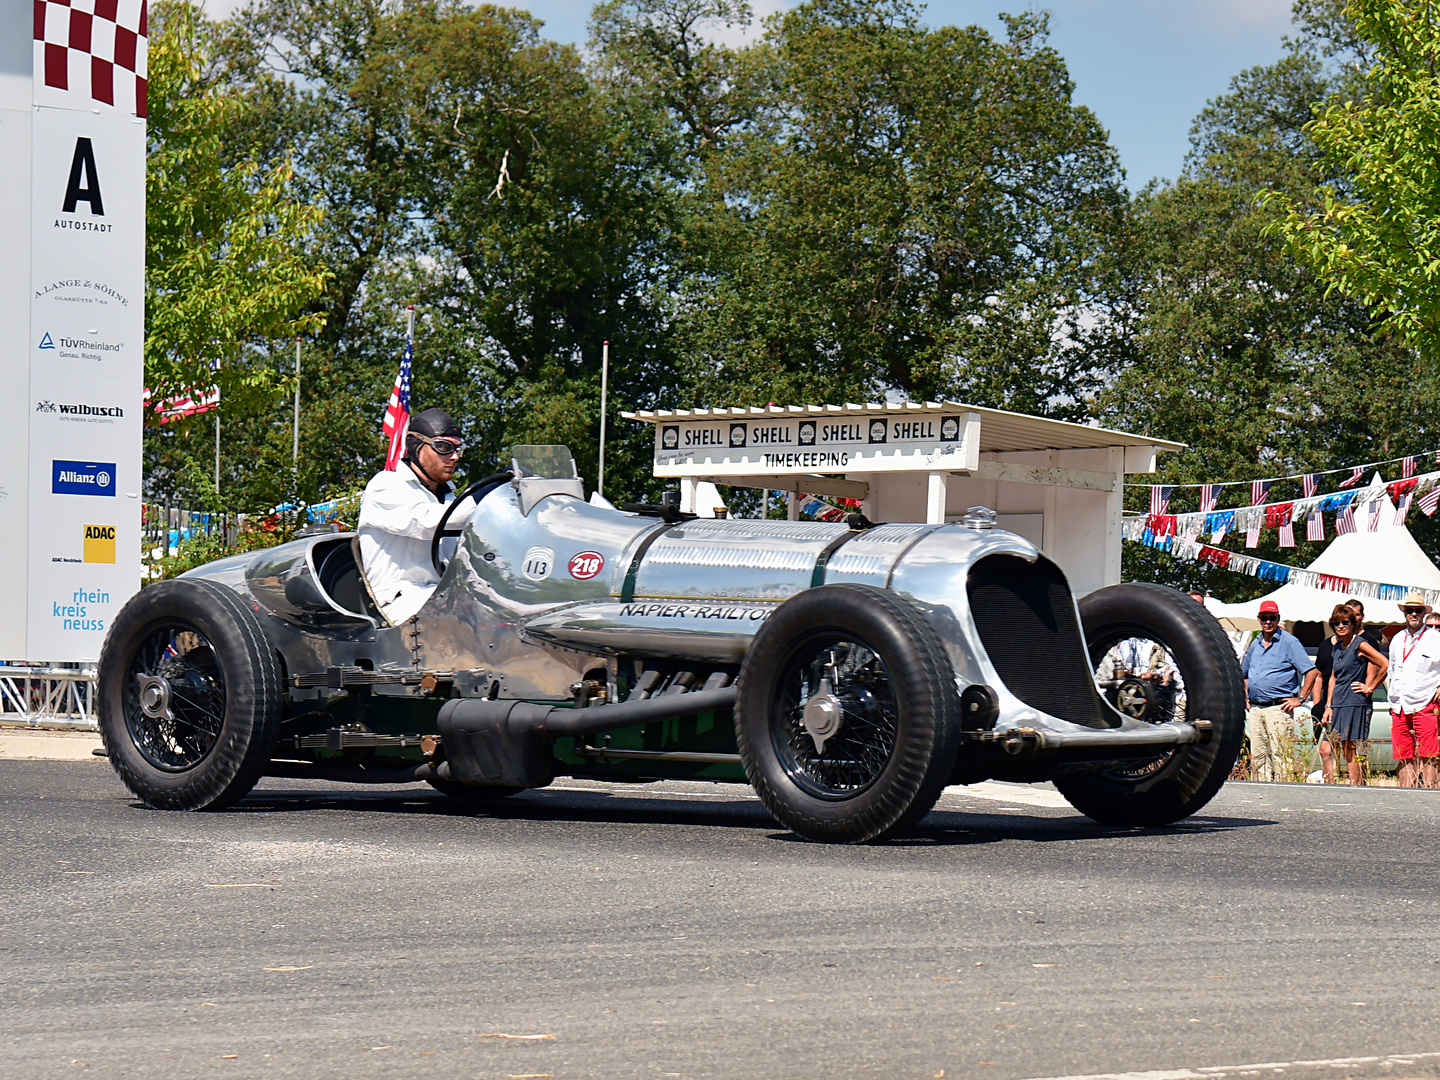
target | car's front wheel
[
  {"x": 1160, "y": 656},
  {"x": 189, "y": 696},
  {"x": 847, "y": 717}
]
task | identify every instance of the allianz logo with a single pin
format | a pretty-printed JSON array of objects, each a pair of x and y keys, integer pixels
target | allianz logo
[{"x": 66, "y": 409}]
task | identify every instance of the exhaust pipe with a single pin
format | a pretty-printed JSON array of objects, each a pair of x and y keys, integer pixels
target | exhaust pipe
[{"x": 508, "y": 742}]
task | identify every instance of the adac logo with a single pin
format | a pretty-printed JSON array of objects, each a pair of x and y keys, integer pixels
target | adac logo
[
  {"x": 45, "y": 342},
  {"x": 99, "y": 543},
  {"x": 82, "y": 478}
]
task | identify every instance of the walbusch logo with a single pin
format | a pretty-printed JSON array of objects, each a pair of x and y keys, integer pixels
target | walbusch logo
[{"x": 67, "y": 409}]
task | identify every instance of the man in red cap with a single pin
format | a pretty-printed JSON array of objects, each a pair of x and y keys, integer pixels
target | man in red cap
[{"x": 1274, "y": 668}]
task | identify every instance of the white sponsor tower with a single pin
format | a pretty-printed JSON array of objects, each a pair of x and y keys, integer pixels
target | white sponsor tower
[{"x": 72, "y": 290}]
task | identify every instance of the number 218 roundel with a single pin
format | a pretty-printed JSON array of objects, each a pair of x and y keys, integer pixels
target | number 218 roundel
[{"x": 586, "y": 564}]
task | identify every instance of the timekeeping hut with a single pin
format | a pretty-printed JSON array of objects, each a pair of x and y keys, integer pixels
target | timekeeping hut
[{"x": 1058, "y": 484}]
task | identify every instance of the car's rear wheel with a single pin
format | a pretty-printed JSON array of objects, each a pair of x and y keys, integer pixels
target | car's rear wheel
[
  {"x": 1160, "y": 656},
  {"x": 847, "y": 717},
  {"x": 189, "y": 696}
]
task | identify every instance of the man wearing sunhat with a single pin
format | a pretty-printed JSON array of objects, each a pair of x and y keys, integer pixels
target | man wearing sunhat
[
  {"x": 1273, "y": 667},
  {"x": 1414, "y": 683},
  {"x": 400, "y": 511}
]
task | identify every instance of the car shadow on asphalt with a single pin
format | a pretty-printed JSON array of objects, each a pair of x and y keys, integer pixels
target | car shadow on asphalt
[{"x": 941, "y": 828}]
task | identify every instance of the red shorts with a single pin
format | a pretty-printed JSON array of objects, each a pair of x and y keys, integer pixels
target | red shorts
[{"x": 1407, "y": 729}]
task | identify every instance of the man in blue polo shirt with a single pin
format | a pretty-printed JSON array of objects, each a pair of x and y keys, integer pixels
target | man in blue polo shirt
[{"x": 1274, "y": 668}]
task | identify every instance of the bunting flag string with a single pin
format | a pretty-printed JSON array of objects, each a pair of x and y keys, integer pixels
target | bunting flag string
[
  {"x": 1409, "y": 465},
  {"x": 1138, "y": 530},
  {"x": 1353, "y": 510}
]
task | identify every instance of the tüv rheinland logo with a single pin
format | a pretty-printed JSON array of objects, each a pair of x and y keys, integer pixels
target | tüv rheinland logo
[{"x": 82, "y": 478}]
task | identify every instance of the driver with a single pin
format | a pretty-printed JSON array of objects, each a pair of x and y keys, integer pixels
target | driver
[{"x": 400, "y": 511}]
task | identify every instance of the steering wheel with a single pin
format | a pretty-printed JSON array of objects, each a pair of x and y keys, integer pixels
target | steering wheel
[{"x": 477, "y": 491}]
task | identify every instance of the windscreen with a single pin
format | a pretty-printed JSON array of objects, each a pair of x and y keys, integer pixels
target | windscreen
[{"x": 550, "y": 462}]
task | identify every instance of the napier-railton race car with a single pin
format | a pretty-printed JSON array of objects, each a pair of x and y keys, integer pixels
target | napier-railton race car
[{"x": 847, "y": 671}]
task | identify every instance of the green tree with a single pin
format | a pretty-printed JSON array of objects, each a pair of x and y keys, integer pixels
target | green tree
[
  {"x": 1373, "y": 232},
  {"x": 910, "y": 211},
  {"x": 1228, "y": 342},
  {"x": 227, "y": 273}
]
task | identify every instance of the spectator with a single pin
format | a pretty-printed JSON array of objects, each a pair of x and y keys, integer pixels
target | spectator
[
  {"x": 1273, "y": 667},
  {"x": 1372, "y": 634},
  {"x": 1414, "y": 680},
  {"x": 1358, "y": 669}
]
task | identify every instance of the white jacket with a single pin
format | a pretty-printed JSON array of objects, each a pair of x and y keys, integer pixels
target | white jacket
[{"x": 398, "y": 516}]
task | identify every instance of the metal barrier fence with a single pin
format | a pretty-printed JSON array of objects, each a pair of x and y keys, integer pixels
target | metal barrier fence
[
  {"x": 163, "y": 527},
  {"x": 48, "y": 695}
]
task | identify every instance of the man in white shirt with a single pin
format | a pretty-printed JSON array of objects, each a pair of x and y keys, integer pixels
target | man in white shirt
[
  {"x": 400, "y": 510},
  {"x": 1414, "y": 682}
]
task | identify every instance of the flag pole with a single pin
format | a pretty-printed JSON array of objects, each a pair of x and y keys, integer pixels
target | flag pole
[
  {"x": 604, "y": 387},
  {"x": 295, "y": 447}
]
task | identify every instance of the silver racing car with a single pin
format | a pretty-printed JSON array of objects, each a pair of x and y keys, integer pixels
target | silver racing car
[{"x": 847, "y": 671}]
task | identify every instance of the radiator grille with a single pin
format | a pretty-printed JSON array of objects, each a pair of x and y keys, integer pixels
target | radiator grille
[{"x": 1027, "y": 624}]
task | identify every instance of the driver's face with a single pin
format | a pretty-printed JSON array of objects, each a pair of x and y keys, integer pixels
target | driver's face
[{"x": 441, "y": 468}]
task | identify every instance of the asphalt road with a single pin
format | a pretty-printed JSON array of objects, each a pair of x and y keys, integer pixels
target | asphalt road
[{"x": 677, "y": 932}]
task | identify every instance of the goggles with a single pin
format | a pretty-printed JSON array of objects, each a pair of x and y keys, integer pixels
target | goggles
[{"x": 443, "y": 447}]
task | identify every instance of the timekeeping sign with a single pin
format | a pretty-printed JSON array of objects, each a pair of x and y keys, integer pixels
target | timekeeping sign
[{"x": 882, "y": 441}]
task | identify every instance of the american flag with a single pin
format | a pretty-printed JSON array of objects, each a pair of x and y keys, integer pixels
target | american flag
[
  {"x": 1345, "y": 520},
  {"x": 1252, "y": 536},
  {"x": 397, "y": 412},
  {"x": 1311, "y": 483},
  {"x": 1375, "y": 516},
  {"x": 1160, "y": 498},
  {"x": 1355, "y": 474},
  {"x": 1258, "y": 490},
  {"x": 1315, "y": 526},
  {"x": 1402, "y": 508},
  {"x": 1407, "y": 466},
  {"x": 1429, "y": 501},
  {"x": 1287, "y": 535},
  {"x": 1209, "y": 496}
]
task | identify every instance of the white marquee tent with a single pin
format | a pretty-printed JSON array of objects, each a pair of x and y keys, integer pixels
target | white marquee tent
[{"x": 1389, "y": 555}]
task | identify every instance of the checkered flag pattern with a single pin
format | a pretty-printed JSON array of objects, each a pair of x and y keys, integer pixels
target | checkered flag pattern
[{"x": 89, "y": 51}]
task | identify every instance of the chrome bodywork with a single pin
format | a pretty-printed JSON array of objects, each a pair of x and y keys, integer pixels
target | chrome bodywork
[{"x": 546, "y": 589}]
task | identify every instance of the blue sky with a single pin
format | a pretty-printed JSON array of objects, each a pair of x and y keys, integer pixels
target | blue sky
[{"x": 1145, "y": 67}]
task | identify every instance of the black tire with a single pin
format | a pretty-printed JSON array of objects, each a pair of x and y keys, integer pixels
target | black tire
[
  {"x": 204, "y": 732},
  {"x": 473, "y": 792},
  {"x": 898, "y": 734},
  {"x": 1179, "y": 782}
]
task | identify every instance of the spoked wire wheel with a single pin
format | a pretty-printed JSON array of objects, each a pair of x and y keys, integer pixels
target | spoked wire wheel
[
  {"x": 847, "y": 717},
  {"x": 189, "y": 695},
  {"x": 835, "y": 716},
  {"x": 174, "y": 694}
]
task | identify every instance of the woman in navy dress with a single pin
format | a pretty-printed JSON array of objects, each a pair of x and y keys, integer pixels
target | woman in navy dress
[{"x": 1358, "y": 669}]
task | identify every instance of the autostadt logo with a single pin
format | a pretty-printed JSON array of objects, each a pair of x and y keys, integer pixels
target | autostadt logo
[
  {"x": 82, "y": 478},
  {"x": 90, "y": 414}
]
